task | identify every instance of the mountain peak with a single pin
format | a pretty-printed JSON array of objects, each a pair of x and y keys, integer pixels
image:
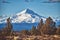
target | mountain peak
[
  {"x": 27, "y": 16},
  {"x": 26, "y": 11}
]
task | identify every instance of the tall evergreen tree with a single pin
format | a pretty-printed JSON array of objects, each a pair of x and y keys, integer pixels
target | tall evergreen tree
[
  {"x": 33, "y": 31},
  {"x": 58, "y": 30},
  {"x": 48, "y": 27},
  {"x": 8, "y": 29},
  {"x": 39, "y": 27},
  {"x": 40, "y": 24}
]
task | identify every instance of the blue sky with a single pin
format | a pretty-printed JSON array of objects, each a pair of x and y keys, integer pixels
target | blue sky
[{"x": 43, "y": 9}]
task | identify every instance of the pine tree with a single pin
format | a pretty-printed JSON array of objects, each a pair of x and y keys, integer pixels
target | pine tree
[
  {"x": 49, "y": 27},
  {"x": 53, "y": 28},
  {"x": 8, "y": 29},
  {"x": 33, "y": 31},
  {"x": 9, "y": 26},
  {"x": 40, "y": 25},
  {"x": 49, "y": 21},
  {"x": 58, "y": 30}
]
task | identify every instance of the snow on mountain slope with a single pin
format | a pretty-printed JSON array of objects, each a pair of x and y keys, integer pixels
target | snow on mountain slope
[
  {"x": 3, "y": 19},
  {"x": 26, "y": 16}
]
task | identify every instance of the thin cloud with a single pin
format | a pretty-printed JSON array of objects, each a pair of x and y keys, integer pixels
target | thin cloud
[
  {"x": 4, "y": 1},
  {"x": 26, "y": 0},
  {"x": 52, "y": 1},
  {"x": 29, "y": 0}
]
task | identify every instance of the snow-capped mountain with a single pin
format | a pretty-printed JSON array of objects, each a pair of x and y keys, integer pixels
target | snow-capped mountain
[{"x": 26, "y": 16}]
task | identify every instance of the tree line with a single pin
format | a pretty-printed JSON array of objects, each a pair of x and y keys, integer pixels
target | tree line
[{"x": 47, "y": 28}]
